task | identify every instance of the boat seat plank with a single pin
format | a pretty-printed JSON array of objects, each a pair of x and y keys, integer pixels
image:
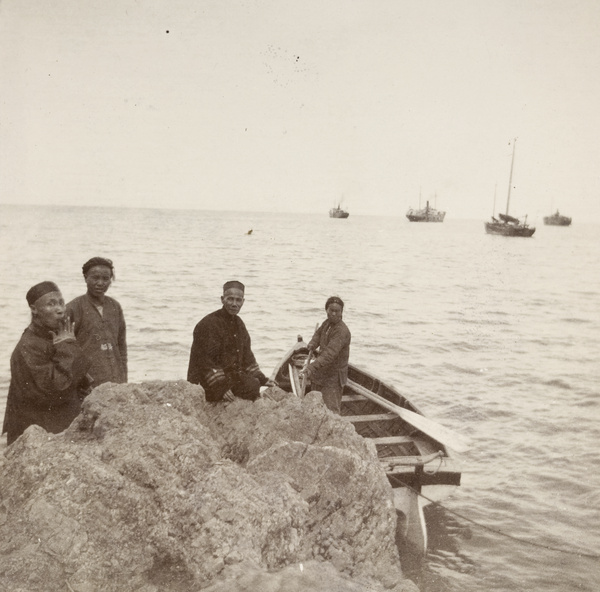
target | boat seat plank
[
  {"x": 392, "y": 440},
  {"x": 349, "y": 398},
  {"x": 371, "y": 417}
]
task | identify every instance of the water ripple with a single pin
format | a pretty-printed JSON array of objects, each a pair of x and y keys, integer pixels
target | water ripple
[{"x": 497, "y": 339}]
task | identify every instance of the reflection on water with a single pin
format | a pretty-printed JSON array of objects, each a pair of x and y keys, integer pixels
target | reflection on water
[{"x": 445, "y": 552}]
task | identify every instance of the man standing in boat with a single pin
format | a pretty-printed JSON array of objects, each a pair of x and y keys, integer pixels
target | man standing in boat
[
  {"x": 329, "y": 372},
  {"x": 221, "y": 358}
]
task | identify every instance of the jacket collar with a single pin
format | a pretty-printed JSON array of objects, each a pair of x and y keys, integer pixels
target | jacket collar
[
  {"x": 40, "y": 331},
  {"x": 226, "y": 316}
]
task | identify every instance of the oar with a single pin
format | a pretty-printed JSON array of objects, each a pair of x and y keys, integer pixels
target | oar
[
  {"x": 437, "y": 431},
  {"x": 285, "y": 358},
  {"x": 303, "y": 379},
  {"x": 308, "y": 360},
  {"x": 292, "y": 379}
]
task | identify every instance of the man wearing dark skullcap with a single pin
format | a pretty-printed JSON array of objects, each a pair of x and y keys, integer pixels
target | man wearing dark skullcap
[
  {"x": 221, "y": 359},
  {"x": 331, "y": 343},
  {"x": 100, "y": 324},
  {"x": 47, "y": 368}
]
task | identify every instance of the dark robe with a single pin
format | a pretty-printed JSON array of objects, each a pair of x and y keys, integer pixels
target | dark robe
[
  {"x": 329, "y": 372},
  {"x": 221, "y": 358},
  {"x": 102, "y": 337},
  {"x": 46, "y": 385}
]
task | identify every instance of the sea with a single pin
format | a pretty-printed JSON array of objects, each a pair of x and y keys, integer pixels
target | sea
[{"x": 495, "y": 338}]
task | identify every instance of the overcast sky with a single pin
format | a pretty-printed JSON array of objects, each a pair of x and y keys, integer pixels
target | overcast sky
[{"x": 291, "y": 106}]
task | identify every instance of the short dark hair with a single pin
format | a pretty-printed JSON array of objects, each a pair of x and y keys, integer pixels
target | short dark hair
[
  {"x": 334, "y": 300},
  {"x": 98, "y": 261}
]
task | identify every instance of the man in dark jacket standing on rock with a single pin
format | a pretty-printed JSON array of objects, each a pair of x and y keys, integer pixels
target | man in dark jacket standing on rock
[
  {"x": 48, "y": 369},
  {"x": 221, "y": 359}
]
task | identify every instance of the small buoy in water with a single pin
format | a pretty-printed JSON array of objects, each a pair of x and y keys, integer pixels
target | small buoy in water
[{"x": 250, "y": 231}]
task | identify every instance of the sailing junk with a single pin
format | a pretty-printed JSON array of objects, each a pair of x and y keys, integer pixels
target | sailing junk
[{"x": 508, "y": 225}]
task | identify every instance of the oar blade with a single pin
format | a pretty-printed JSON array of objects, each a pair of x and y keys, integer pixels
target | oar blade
[
  {"x": 436, "y": 430},
  {"x": 294, "y": 379},
  {"x": 433, "y": 429}
]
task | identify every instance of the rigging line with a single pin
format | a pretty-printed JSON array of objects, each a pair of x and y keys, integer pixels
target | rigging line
[{"x": 504, "y": 534}]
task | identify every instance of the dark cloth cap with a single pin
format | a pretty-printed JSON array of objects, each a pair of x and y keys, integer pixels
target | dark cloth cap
[
  {"x": 233, "y": 284},
  {"x": 334, "y": 300},
  {"x": 97, "y": 261},
  {"x": 40, "y": 290}
]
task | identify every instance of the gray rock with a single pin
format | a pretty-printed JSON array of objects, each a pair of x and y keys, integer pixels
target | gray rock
[{"x": 153, "y": 489}]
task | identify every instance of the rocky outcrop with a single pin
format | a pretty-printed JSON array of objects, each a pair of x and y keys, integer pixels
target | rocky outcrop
[{"x": 153, "y": 489}]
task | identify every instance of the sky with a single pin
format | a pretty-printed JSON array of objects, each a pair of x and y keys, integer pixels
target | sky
[{"x": 280, "y": 106}]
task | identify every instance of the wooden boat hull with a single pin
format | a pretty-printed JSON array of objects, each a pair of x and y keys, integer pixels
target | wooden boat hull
[
  {"x": 420, "y": 469},
  {"x": 502, "y": 229},
  {"x": 508, "y": 225}
]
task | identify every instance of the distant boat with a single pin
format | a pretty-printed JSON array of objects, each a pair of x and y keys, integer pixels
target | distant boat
[
  {"x": 557, "y": 220},
  {"x": 426, "y": 214},
  {"x": 337, "y": 212},
  {"x": 507, "y": 225}
]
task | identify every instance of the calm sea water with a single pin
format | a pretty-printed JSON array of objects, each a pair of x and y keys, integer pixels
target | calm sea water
[{"x": 497, "y": 338}]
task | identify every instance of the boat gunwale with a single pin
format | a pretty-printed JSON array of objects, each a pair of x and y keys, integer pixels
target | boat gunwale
[{"x": 384, "y": 390}]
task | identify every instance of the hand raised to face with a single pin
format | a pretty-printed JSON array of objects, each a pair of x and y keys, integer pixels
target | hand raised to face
[{"x": 65, "y": 332}]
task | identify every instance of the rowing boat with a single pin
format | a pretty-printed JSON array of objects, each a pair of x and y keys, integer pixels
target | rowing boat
[{"x": 416, "y": 453}]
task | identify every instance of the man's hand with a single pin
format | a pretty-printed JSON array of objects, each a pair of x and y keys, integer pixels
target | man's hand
[
  {"x": 229, "y": 396},
  {"x": 66, "y": 332},
  {"x": 271, "y": 383},
  {"x": 305, "y": 372}
]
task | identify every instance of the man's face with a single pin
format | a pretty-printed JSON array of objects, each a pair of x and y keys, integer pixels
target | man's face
[
  {"x": 334, "y": 313},
  {"x": 98, "y": 280},
  {"x": 49, "y": 310},
  {"x": 232, "y": 300}
]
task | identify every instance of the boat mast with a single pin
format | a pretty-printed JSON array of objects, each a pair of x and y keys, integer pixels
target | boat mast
[
  {"x": 512, "y": 162},
  {"x": 494, "y": 208}
]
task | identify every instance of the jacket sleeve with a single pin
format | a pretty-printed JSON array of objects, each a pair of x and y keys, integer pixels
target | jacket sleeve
[
  {"x": 203, "y": 368},
  {"x": 337, "y": 341},
  {"x": 64, "y": 369},
  {"x": 122, "y": 340},
  {"x": 316, "y": 338},
  {"x": 249, "y": 363}
]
